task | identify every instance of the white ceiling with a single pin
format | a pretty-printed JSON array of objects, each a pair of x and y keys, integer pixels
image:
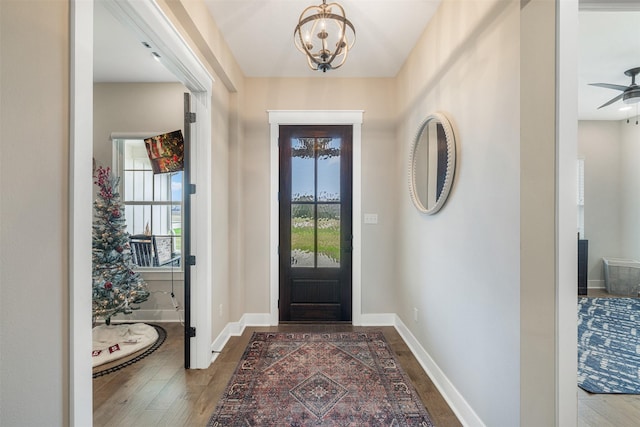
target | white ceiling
[
  {"x": 609, "y": 45},
  {"x": 260, "y": 35},
  {"x": 119, "y": 55}
]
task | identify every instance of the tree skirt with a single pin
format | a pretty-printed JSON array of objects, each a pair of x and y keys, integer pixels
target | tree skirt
[
  {"x": 319, "y": 379},
  {"x": 112, "y": 342}
]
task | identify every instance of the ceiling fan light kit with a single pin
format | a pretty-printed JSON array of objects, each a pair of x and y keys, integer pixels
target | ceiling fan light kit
[
  {"x": 323, "y": 36},
  {"x": 630, "y": 94},
  {"x": 632, "y": 97}
]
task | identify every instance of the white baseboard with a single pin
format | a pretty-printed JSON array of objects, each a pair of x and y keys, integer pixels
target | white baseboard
[
  {"x": 148, "y": 316},
  {"x": 256, "y": 319},
  {"x": 234, "y": 329},
  {"x": 456, "y": 401},
  {"x": 595, "y": 284}
]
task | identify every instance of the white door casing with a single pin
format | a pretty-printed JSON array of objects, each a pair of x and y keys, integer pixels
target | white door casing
[{"x": 316, "y": 117}]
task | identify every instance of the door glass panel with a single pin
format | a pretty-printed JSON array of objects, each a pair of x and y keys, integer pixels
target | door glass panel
[
  {"x": 328, "y": 152},
  {"x": 303, "y": 239},
  {"x": 315, "y": 226},
  {"x": 328, "y": 235},
  {"x": 302, "y": 170}
]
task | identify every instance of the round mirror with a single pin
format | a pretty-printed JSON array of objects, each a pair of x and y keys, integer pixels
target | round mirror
[{"x": 432, "y": 163}]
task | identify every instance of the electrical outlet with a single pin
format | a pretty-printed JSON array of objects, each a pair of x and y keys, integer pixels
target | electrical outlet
[{"x": 415, "y": 314}]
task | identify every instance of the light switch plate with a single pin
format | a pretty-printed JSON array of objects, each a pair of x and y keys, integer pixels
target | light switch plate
[{"x": 370, "y": 218}]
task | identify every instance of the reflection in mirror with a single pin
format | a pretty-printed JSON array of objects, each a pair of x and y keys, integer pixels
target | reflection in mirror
[{"x": 432, "y": 163}]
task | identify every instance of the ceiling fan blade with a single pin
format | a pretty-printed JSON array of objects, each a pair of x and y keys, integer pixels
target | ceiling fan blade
[
  {"x": 612, "y": 101},
  {"x": 609, "y": 86}
]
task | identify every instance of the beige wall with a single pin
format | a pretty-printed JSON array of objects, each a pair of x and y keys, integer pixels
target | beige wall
[
  {"x": 599, "y": 144},
  {"x": 629, "y": 185},
  {"x": 377, "y": 98},
  {"x": 612, "y": 203},
  {"x": 460, "y": 267},
  {"x": 34, "y": 188},
  {"x": 483, "y": 273},
  {"x": 198, "y": 28},
  {"x": 539, "y": 292},
  {"x": 220, "y": 208}
]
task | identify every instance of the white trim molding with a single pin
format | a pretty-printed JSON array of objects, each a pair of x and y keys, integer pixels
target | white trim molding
[
  {"x": 317, "y": 117},
  {"x": 235, "y": 329},
  {"x": 80, "y": 215},
  {"x": 456, "y": 401}
]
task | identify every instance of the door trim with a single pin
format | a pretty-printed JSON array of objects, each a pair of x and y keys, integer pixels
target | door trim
[{"x": 315, "y": 117}]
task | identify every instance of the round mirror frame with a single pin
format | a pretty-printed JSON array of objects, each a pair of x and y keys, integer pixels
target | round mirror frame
[{"x": 451, "y": 163}]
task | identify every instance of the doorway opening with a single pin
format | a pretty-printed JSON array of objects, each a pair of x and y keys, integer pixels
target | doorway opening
[{"x": 147, "y": 20}]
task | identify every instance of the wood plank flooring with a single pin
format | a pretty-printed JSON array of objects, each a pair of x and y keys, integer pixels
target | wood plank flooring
[
  {"x": 158, "y": 391},
  {"x": 607, "y": 410}
]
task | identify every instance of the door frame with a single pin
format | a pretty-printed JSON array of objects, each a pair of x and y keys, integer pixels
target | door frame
[
  {"x": 147, "y": 19},
  {"x": 342, "y": 273},
  {"x": 315, "y": 117}
]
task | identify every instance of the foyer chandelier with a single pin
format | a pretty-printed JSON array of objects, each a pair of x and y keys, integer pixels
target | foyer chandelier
[{"x": 324, "y": 37}]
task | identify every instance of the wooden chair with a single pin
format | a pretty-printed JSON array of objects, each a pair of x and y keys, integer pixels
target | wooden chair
[
  {"x": 142, "y": 250},
  {"x": 153, "y": 251}
]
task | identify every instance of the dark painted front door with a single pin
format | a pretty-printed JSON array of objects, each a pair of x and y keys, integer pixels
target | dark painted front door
[{"x": 315, "y": 201}]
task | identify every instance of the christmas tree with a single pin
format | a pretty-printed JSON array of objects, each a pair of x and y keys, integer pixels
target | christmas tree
[{"x": 116, "y": 286}]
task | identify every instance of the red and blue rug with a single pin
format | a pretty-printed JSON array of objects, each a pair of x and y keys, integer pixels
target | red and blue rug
[{"x": 319, "y": 379}]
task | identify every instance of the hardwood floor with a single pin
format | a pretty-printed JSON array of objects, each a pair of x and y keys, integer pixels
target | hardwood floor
[
  {"x": 607, "y": 410},
  {"x": 158, "y": 391}
]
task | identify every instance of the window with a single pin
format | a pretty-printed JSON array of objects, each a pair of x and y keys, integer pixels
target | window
[{"x": 153, "y": 204}]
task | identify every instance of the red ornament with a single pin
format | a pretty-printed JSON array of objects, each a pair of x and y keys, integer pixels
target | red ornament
[
  {"x": 108, "y": 285},
  {"x": 119, "y": 249}
]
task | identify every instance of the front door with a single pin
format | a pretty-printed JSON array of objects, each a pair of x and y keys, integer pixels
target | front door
[{"x": 315, "y": 223}]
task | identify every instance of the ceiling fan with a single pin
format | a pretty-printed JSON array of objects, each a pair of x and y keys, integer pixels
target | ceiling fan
[{"x": 630, "y": 94}]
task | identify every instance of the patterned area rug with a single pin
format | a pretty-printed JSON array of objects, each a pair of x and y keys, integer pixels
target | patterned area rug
[
  {"x": 319, "y": 379},
  {"x": 609, "y": 345}
]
